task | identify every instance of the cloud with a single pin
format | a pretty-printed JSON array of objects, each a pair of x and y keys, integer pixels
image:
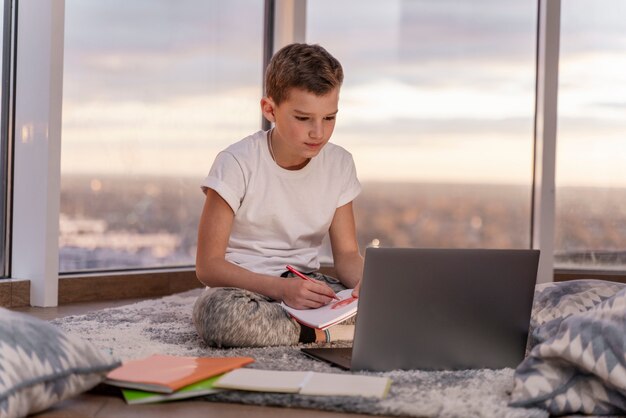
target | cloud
[
  {"x": 434, "y": 78},
  {"x": 157, "y": 49},
  {"x": 592, "y": 27}
]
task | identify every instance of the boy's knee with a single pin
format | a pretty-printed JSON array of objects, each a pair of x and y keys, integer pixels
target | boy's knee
[
  {"x": 227, "y": 303},
  {"x": 231, "y": 317},
  {"x": 211, "y": 314}
]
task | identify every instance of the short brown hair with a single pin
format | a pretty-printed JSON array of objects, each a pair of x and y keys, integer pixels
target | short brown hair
[{"x": 304, "y": 66}]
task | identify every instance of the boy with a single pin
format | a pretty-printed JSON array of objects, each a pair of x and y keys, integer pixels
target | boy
[{"x": 270, "y": 200}]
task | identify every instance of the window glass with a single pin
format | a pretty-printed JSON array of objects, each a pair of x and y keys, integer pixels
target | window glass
[
  {"x": 591, "y": 143},
  {"x": 437, "y": 109},
  {"x": 153, "y": 89}
]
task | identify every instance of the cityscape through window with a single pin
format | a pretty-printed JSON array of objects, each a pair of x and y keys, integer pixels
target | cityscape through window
[
  {"x": 437, "y": 109},
  {"x": 153, "y": 89},
  {"x": 591, "y": 142}
]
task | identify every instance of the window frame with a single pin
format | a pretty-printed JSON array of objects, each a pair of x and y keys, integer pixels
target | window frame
[
  {"x": 37, "y": 147},
  {"x": 6, "y": 124},
  {"x": 284, "y": 23},
  {"x": 544, "y": 162}
]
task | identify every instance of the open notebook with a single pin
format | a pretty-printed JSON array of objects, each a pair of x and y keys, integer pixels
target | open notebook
[
  {"x": 305, "y": 383},
  {"x": 328, "y": 315}
]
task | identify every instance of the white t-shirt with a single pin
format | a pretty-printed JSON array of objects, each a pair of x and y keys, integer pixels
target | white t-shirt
[{"x": 281, "y": 216}]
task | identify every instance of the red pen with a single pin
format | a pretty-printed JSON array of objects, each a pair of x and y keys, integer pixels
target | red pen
[{"x": 302, "y": 276}]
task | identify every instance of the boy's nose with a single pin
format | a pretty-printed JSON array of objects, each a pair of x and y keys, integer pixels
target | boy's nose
[{"x": 317, "y": 131}]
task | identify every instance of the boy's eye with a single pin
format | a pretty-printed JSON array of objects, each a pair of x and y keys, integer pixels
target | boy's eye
[{"x": 305, "y": 118}]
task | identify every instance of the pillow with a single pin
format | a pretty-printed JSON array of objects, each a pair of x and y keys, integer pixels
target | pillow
[
  {"x": 560, "y": 300},
  {"x": 578, "y": 366},
  {"x": 41, "y": 365}
]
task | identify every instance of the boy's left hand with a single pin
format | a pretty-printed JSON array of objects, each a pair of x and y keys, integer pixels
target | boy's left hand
[
  {"x": 306, "y": 294},
  {"x": 356, "y": 290}
]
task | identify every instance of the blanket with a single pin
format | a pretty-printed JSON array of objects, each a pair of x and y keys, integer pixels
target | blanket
[{"x": 577, "y": 359}]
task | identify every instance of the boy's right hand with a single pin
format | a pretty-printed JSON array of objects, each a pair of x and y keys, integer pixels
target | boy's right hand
[{"x": 304, "y": 294}]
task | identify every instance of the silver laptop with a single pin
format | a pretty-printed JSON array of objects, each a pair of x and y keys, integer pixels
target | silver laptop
[{"x": 440, "y": 309}]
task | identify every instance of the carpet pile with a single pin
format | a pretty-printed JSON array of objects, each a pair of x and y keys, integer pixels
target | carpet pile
[{"x": 164, "y": 326}]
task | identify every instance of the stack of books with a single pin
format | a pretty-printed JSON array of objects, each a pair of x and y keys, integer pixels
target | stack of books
[{"x": 161, "y": 378}]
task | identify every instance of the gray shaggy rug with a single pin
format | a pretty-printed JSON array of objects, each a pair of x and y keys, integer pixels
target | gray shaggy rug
[{"x": 164, "y": 326}]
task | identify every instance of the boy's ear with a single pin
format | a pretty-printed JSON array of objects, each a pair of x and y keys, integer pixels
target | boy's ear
[{"x": 267, "y": 107}]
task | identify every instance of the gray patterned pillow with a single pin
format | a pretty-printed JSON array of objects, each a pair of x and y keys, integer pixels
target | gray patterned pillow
[
  {"x": 560, "y": 300},
  {"x": 578, "y": 365},
  {"x": 41, "y": 365}
]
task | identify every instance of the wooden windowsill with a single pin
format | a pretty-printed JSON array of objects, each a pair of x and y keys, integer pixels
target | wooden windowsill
[
  {"x": 14, "y": 293},
  {"x": 103, "y": 286},
  {"x": 562, "y": 275},
  {"x": 125, "y": 285}
]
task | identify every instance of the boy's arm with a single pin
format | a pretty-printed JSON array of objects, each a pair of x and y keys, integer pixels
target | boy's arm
[
  {"x": 348, "y": 260},
  {"x": 213, "y": 270}
]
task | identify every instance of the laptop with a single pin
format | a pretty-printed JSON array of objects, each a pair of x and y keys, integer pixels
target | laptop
[{"x": 440, "y": 309}]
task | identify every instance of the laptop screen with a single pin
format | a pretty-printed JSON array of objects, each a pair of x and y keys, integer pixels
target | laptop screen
[{"x": 444, "y": 309}]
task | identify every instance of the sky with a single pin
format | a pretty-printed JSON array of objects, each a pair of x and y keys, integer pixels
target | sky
[{"x": 435, "y": 90}]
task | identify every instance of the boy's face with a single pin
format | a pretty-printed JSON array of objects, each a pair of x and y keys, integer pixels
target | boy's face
[{"x": 304, "y": 123}]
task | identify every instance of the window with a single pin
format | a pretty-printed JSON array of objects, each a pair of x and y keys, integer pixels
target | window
[
  {"x": 5, "y": 100},
  {"x": 591, "y": 175},
  {"x": 437, "y": 108},
  {"x": 152, "y": 91}
]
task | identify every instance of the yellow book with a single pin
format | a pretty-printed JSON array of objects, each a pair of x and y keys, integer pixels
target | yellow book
[{"x": 305, "y": 383}]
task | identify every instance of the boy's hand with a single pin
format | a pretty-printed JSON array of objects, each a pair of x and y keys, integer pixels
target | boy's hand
[
  {"x": 304, "y": 294},
  {"x": 356, "y": 290}
]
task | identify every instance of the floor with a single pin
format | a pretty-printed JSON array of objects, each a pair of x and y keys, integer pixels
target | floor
[{"x": 105, "y": 401}]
